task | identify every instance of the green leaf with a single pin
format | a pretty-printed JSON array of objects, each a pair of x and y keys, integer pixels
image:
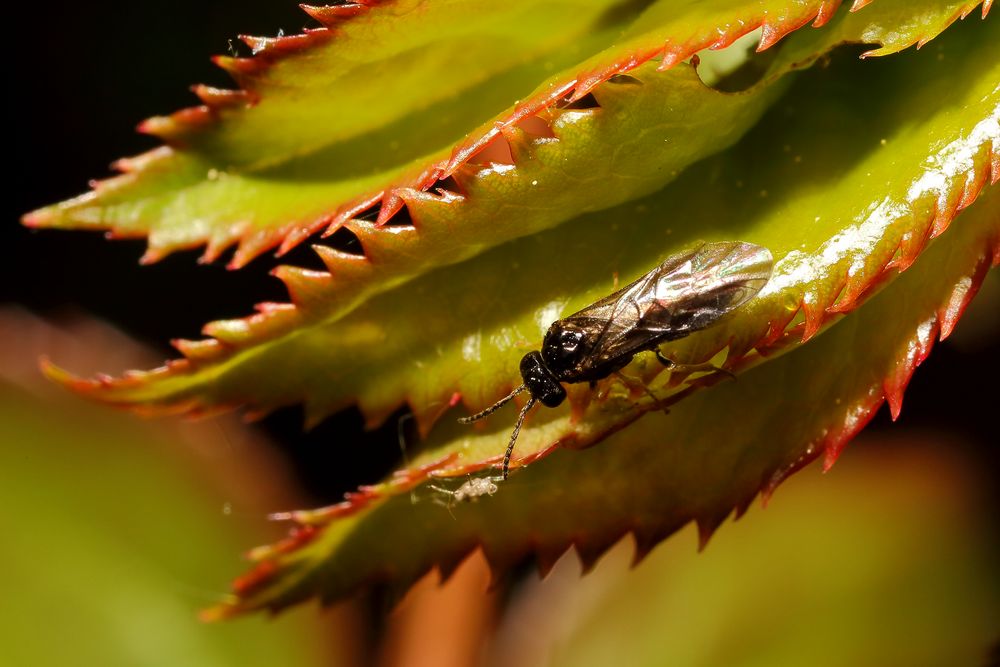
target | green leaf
[
  {"x": 319, "y": 132},
  {"x": 888, "y": 561},
  {"x": 847, "y": 194},
  {"x": 654, "y": 476},
  {"x": 115, "y": 541}
]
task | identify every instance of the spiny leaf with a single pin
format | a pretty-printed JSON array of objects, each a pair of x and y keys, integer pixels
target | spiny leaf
[
  {"x": 662, "y": 471},
  {"x": 898, "y": 532},
  {"x": 310, "y": 143},
  {"x": 840, "y": 211}
]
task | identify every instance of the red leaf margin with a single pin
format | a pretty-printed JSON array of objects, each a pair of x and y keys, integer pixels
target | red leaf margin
[
  {"x": 818, "y": 308},
  {"x": 268, "y": 50},
  {"x": 308, "y": 525}
]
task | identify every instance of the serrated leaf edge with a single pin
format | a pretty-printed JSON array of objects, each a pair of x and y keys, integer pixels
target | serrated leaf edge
[{"x": 935, "y": 327}]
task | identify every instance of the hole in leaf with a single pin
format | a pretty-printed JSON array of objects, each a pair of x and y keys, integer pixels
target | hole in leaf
[
  {"x": 736, "y": 67},
  {"x": 588, "y": 101}
]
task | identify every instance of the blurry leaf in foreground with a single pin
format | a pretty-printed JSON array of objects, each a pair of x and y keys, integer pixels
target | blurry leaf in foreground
[{"x": 119, "y": 531}]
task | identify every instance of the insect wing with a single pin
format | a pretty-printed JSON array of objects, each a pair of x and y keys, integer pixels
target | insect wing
[
  {"x": 687, "y": 292},
  {"x": 710, "y": 282}
]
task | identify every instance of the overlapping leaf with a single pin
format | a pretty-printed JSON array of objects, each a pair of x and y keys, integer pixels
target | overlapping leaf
[
  {"x": 827, "y": 565},
  {"x": 662, "y": 471},
  {"x": 836, "y": 208},
  {"x": 556, "y": 177},
  {"x": 310, "y": 141}
]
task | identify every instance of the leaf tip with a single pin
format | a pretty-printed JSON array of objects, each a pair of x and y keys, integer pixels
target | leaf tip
[
  {"x": 152, "y": 256},
  {"x": 228, "y": 608},
  {"x": 39, "y": 218},
  {"x": 330, "y": 15},
  {"x": 154, "y": 125}
]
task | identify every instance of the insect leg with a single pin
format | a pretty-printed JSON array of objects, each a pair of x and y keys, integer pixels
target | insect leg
[
  {"x": 441, "y": 491},
  {"x": 493, "y": 408},
  {"x": 659, "y": 402},
  {"x": 634, "y": 383},
  {"x": 513, "y": 436},
  {"x": 690, "y": 368}
]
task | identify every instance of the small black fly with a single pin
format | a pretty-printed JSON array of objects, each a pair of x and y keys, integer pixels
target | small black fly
[{"x": 688, "y": 292}]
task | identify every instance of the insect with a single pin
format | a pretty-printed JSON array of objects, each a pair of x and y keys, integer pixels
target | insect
[
  {"x": 688, "y": 292},
  {"x": 471, "y": 489}
]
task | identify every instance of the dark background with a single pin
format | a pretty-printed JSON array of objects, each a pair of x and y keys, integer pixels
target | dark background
[{"x": 86, "y": 73}]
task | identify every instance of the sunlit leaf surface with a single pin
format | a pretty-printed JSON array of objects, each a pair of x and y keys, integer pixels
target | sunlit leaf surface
[{"x": 655, "y": 475}]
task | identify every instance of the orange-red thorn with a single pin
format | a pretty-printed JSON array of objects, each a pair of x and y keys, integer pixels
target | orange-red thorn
[
  {"x": 219, "y": 98},
  {"x": 769, "y": 36},
  {"x": 256, "y": 44},
  {"x": 214, "y": 249},
  {"x": 814, "y": 316},
  {"x": 330, "y": 15},
  {"x": 910, "y": 246},
  {"x": 893, "y": 387},
  {"x": 255, "y": 578},
  {"x": 961, "y": 296},
  {"x": 825, "y": 13},
  {"x": 854, "y": 422},
  {"x": 251, "y": 244},
  {"x": 670, "y": 58},
  {"x": 158, "y": 126},
  {"x": 297, "y": 233},
  {"x": 197, "y": 350},
  {"x": 860, "y": 4},
  {"x": 152, "y": 256},
  {"x": 39, "y": 218},
  {"x": 585, "y": 86},
  {"x": 238, "y": 67},
  {"x": 810, "y": 454},
  {"x": 391, "y": 204},
  {"x": 976, "y": 181},
  {"x": 220, "y": 612}
]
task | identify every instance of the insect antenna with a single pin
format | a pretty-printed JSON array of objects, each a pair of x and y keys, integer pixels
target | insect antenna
[
  {"x": 493, "y": 408},
  {"x": 513, "y": 435}
]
